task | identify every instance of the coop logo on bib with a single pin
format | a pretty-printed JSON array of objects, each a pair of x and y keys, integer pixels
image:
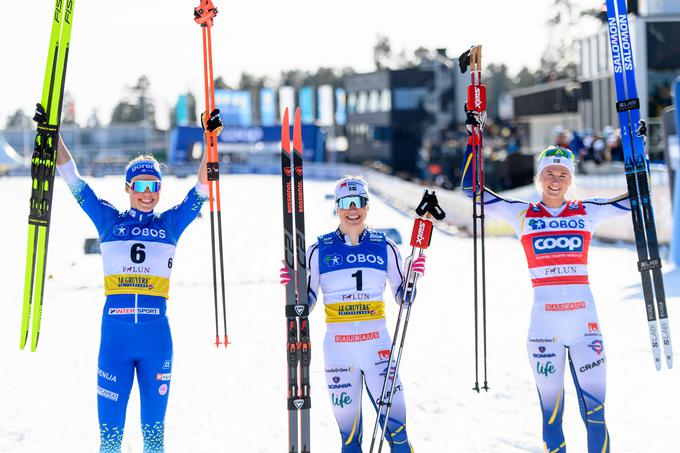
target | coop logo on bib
[{"x": 555, "y": 244}]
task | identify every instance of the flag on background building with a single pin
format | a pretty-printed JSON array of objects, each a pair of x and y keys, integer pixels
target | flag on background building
[
  {"x": 236, "y": 108},
  {"x": 286, "y": 100},
  {"x": 340, "y": 107},
  {"x": 267, "y": 107},
  {"x": 325, "y": 105},
  {"x": 307, "y": 110}
]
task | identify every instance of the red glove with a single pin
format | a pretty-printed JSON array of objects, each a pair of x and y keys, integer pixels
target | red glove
[
  {"x": 418, "y": 265},
  {"x": 284, "y": 275}
]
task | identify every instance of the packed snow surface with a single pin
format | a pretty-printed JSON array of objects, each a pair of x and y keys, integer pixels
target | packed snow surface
[{"x": 234, "y": 399}]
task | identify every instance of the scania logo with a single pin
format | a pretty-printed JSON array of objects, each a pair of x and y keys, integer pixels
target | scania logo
[{"x": 553, "y": 244}]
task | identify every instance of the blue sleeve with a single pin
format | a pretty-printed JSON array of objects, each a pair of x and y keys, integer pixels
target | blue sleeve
[
  {"x": 180, "y": 216},
  {"x": 101, "y": 212}
]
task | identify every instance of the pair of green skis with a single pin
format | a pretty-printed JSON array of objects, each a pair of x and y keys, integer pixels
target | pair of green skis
[{"x": 42, "y": 171}]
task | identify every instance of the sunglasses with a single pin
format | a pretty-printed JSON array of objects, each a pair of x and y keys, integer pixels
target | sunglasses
[
  {"x": 141, "y": 186},
  {"x": 558, "y": 152},
  {"x": 346, "y": 202}
]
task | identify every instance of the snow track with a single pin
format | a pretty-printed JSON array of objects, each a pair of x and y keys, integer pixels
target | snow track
[{"x": 234, "y": 400}]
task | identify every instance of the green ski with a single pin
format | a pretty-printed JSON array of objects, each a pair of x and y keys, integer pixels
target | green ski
[{"x": 42, "y": 171}]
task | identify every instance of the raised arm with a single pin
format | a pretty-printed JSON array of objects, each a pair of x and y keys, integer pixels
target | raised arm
[
  {"x": 507, "y": 209},
  {"x": 602, "y": 209},
  {"x": 101, "y": 212}
]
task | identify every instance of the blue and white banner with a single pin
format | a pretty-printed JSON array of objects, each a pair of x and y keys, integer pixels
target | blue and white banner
[
  {"x": 287, "y": 100},
  {"x": 236, "y": 108},
  {"x": 307, "y": 111},
  {"x": 325, "y": 105},
  {"x": 340, "y": 107},
  {"x": 182, "y": 111},
  {"x": 267, "y": 107}
]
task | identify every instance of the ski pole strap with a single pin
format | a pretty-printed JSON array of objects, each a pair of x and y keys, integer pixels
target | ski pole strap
[
  {"x": 205, "y": 13},
  {"x": 430, "y": 204},
  {"x": 213, "y": 171},
  {"x": 646, "y": 265},
  {"x": 472, "y": 56},
  {"x": 47, "y": 128},
  {"x": 628, "y": 104}
]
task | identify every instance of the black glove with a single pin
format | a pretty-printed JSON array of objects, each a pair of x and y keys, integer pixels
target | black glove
[
  {"x": 474, "y": 118},
  {"x": 213, "y": 123},
  {"x": 40, "y": 116}
]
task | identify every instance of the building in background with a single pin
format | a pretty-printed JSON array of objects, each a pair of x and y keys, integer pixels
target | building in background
[
  {"x": 386, "y": 116},
  {"x": 588, "y": 102}
]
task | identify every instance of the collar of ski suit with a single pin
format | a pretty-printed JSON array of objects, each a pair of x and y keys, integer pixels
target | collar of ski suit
[
  {"x": 344, "y": 238},
  {"x": 139, "y": 215}
]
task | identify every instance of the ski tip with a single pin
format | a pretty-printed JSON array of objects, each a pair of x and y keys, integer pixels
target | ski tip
[
  {"x": 285, "y": 131},
  {"x": 297, "y": 131}
]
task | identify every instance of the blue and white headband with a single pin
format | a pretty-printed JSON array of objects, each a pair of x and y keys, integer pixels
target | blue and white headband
[{"x": 142, "y": 167}]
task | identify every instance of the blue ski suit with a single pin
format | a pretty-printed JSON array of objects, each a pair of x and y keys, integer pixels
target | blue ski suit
[{"x": 137, "y": 249}]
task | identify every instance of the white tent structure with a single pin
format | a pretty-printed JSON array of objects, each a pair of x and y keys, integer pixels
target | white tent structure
[{"x": 9, "y": 158}]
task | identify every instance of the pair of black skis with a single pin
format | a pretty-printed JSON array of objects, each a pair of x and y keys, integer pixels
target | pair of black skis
[
  {"x": 637, "y": 178},
  {"x": 298, "y": 345}
]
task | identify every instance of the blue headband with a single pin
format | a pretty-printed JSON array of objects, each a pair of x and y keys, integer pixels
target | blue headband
[{"x": 143, "y": 167}]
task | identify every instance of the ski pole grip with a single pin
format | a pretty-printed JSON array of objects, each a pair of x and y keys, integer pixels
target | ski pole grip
[
  {"x": 476, "y": 98},
  {"x": 421, "y": 234}
]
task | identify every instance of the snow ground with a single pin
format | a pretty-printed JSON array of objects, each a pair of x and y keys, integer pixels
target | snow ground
[{"x": 234, "y": 400}]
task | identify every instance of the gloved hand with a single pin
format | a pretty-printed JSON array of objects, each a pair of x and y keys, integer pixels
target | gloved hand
[
  {"x": 474, "y": 118},
  {"x": 284, "y": 274},
  {"x": 40, "y": 116},
  {"x": 418, "y": 266},
  {"x": 212, "y": 123}
]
